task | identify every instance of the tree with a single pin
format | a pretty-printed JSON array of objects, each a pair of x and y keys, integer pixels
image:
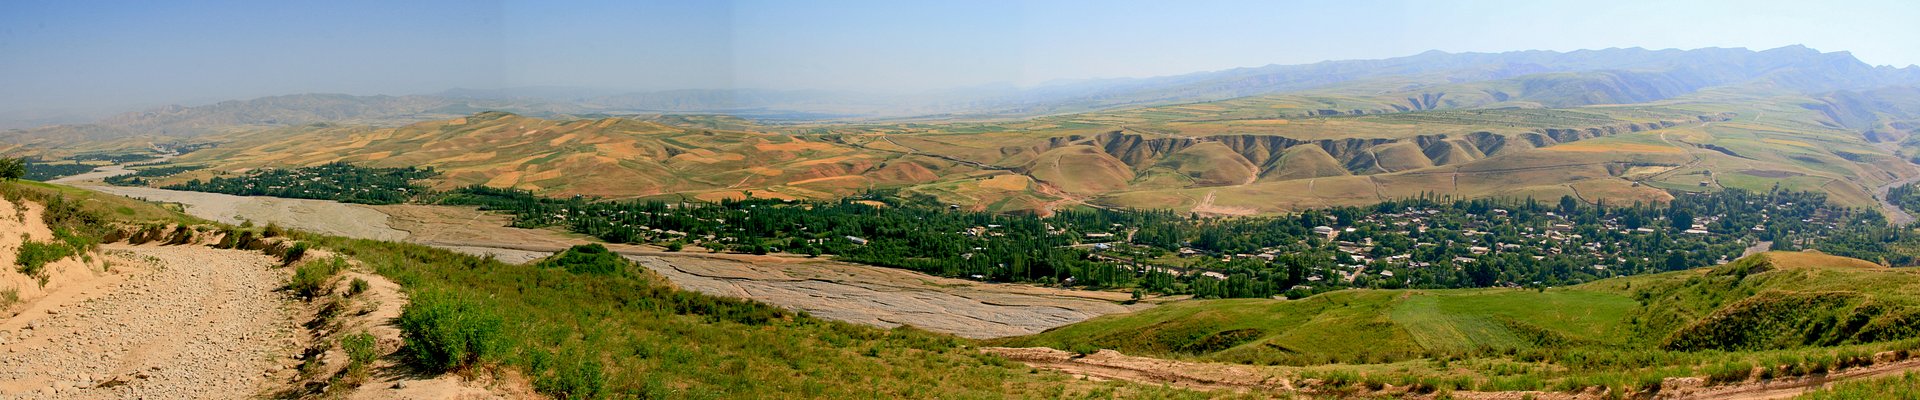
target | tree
[
  {"x": 1682, "y": 220},
  {"x": 13, "y": 169},
  {"x": 1568, "y": 205}
]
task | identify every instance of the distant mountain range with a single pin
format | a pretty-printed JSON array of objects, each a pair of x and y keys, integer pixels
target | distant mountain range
[{"x": 1540, "y": 78}]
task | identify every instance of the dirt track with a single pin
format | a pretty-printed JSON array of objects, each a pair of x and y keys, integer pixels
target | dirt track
[{"x": 184, "y": 322}]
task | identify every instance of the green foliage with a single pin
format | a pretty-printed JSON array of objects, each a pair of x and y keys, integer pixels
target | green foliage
[
  {"x": 33, "y": 257},
  {"x": 313, "y": 280},
  {"x": 446, "y": 332},
  {"x": 337, "y": 181},
  {"x": 361, "y": 348},
  {"x": 924, "y": 236},
  {"x": 13, "y": 168},
  {"x": 357, "y": 287},
  {"x": 1904, "y": 387},
  {"x": 144, "y": 176},
  {"x": 654, "y": 341},
  {"x": 1729, "y": 372},
  {"x": 576, "y": 375},
  {"x": 46, "y": 172},
  {"x": 588, "y": 259},
  {"x": 294, "y": 253}
]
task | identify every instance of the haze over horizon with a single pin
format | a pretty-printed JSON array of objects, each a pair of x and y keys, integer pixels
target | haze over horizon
[{"x": 69, "y": 58}]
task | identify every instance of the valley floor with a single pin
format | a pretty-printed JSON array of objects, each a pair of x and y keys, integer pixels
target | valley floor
[{"x": 175, "y": 323}]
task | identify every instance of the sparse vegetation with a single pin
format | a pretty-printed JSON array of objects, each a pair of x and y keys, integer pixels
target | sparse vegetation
[
  {"x": 1906, "y": 387},
  {"x": 145, "y": 176},
  {"x": 447, "y": 332},
  {"x": 337, "y": 181},
  {"x": 1427, "y": 242},
  {"x": 315, "y": 279}
]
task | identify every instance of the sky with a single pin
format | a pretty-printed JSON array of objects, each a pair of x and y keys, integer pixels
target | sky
[{"x": 80, "y": 56}]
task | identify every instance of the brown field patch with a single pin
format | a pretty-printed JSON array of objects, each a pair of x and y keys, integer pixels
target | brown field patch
[
  {"x": 1264, "y": 122},
  {"x": 1788, "y": 142},
  {"x": 829, "y": 179},
  {"x": 1588, "y": 147},
  {"x": 795, "y": 145},
  {"x": 468, "y": 157},
  {"x": 1763, "y": 173},
  {"x": 1007, "y": 182},
  {"x": 764, "y": 171}
]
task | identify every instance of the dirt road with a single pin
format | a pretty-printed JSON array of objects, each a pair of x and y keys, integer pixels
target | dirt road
[{"x": 184, "y": 322}]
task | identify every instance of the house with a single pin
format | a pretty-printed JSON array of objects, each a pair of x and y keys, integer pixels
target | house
[
  {"x": 1323, "y": 230},
  {"x": 857, "y": 240}
]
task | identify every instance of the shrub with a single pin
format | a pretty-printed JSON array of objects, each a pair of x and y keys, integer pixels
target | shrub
[
  {"x": 295, "y": 253},
  {"x": 357, "y": 287},
  {"x": 361, "y": 350},
  {"x": 1731, "y": 372},
  {"x": 588, "y": 259},
  {"x": 33, "y": 257},
  {"x": 444, "y": 332},
  {"x": 311, "y": 281},
  {"x": 576, "y": 376}
]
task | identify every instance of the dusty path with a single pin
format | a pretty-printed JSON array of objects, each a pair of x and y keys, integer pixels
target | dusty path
[
  {"x": 185, "y": 322},
  {"x": 1109, "y": 364}
]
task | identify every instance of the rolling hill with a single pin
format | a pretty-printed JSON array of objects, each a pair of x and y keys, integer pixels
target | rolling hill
[
  {"x": 606, "y": 157},
  {"x": 1768, "y": 310},
  {"x": 1600, "y": 125}
]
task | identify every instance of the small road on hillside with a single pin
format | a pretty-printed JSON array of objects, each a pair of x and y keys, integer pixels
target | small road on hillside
[{"x": 186, "y": 322}]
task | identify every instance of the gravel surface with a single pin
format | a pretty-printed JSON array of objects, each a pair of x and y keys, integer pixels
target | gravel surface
[{"x": 188, "y": 323}]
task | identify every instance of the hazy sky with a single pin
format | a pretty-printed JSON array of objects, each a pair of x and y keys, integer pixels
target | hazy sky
[{"x": 109, "y": 56}]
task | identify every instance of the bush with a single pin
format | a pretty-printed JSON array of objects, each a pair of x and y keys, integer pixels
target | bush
[
  {"x": 295, "y": 253},
  {"x": 33, "y": 257},
  {"x": 588, "y": 259},
  {"x": 576, "y": 377},
  {"x": 311, "y": 281},
  {"x": 445, "y": 333},
  {"x": 361, "y": 350},
  {"x": 1732, "y": 372},
  {"x": 357, "y": 287}
]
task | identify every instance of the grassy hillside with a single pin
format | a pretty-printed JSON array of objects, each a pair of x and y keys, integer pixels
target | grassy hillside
[
  {"x": 1775, "y": 310},
  {"x": 587, "y": 324}
]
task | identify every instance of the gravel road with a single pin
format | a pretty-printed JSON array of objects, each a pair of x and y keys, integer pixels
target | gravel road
[{"x": 187, "y": 322}]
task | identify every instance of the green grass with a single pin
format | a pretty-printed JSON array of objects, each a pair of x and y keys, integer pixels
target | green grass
[
  {"x": 638, "y": 337},
  {"x": 1905, "y": 387},
  {"x": 1794, "y": 313}
]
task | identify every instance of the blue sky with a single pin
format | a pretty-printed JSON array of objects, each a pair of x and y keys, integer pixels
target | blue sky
[{"x": 111, "y": 56}]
